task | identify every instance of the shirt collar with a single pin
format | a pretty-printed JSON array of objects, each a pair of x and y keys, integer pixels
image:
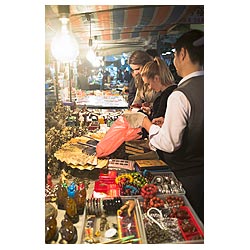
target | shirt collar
[{"x": 193, "y": 74}]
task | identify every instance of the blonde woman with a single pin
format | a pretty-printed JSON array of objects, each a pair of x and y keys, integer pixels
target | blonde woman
[{"x": 160, "y": 79}]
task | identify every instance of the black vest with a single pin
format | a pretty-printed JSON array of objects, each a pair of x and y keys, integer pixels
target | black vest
[{"x": 189, "y": 158}]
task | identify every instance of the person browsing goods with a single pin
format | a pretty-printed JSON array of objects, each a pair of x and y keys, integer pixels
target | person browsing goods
[
  {"x": 157, "y": 74},
  {"x": 144, "y": 96},
  {"x": 180, "y": 139}
]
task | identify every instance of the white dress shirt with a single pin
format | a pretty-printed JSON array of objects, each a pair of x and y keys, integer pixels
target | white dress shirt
[{"x": 168, "y": 137}]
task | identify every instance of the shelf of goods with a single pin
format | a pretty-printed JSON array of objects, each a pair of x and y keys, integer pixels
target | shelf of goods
[
  {"x": 159, "y": 213},
  {"x": 126, "y": 201}
]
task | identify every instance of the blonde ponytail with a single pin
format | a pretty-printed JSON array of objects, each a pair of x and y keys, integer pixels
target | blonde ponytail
[{"x": 160, "y": 68}]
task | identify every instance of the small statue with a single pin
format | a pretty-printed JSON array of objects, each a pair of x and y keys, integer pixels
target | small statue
[
  {"x": 63, "y": 177},
  {"x": 71, "y": 208},
  {"x": 128, "y": 206},
  {"x": 62, "y": 196},
  {"x": 51, "y": 232},
  {"x": 80, "y": 198},
  {"x": 68, "y": 232}
]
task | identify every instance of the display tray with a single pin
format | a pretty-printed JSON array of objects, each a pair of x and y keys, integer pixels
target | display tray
[
  {"x": 106, "y": 101},
  {"x": 120, "y": 164},
  {"x": 155, "y": 164},
  {"x": 104, "y": 224},
  {"x": 136, "y": 147},
  {"x": 166, "y": 182},
  {"x": 177, "y": 223}
]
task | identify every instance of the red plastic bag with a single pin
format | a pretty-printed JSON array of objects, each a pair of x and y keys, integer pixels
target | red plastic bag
[{"x": 118, "y": 133}]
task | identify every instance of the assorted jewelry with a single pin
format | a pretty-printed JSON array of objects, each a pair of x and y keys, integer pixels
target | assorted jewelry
[
  {"x": 155, "y": 234},
  {"x": 98, "y": 206},
  {"x": 130, "y": 184},
  {"x": 169, "y": 220},
  {"x": 168, "y": 184},
  {"x": 101, "y": 215}
]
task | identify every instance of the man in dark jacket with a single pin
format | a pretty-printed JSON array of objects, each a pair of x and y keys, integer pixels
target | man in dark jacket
[{"x": 179, "y": 139}]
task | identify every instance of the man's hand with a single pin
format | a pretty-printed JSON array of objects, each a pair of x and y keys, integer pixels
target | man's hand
[
  {"x": 158, "y": 121},
  {"x": 135, "y": 119}
]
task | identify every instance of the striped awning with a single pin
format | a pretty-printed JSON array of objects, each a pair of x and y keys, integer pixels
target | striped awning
[{"x": 128, "y": 26}]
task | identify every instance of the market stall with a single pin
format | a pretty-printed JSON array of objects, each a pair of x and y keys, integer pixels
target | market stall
[
  {"x": 106, "y": 101},
  {"x": 110, "y": 199}
]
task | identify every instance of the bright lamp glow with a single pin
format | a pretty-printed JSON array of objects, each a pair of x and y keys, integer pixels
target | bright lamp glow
[
  {"x": 92, "y": 58},
  {"x": 64, "y": 46},
  {"x": 90, "y": 55}
]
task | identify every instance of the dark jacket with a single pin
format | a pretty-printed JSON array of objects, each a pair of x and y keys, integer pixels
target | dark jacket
[
  {"x": 160, "y": 103},
  {"x": 189, "y": 158}
]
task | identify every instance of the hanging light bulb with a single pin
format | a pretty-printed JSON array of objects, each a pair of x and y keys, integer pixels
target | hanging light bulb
[
  {"x": 64, "y": 46},
  {"x": 91, "y": 56}
]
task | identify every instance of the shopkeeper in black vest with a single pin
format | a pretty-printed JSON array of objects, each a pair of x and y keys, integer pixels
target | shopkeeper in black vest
[{"x": 179, "y": 140}]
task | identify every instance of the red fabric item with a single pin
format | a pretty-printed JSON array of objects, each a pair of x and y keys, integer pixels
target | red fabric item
[{"x": 118, "y": 133}]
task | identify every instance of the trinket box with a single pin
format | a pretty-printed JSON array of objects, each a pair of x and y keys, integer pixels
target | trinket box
[
  {"x": 170, "y": 219},
  {"x": 166, "y": 182},
  {"x": 106, "y": 186},
  {"x": 121, "y": 164},
  {"x": 136, "y": 147},
  {"x": 107, "y": 221},
  {"x": 141, "y": 165}
]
